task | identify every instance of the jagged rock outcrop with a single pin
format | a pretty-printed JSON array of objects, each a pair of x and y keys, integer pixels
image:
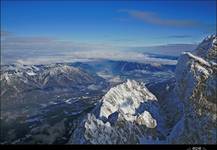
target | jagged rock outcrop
[
  {"x": 128, "y": 113},
  {"x": 196, "y": 87},
  {"x": 125, "y": 99},
  {"x": 207, "y": 48}
]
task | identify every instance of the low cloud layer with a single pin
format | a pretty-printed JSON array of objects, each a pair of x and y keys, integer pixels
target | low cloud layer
[
  {"x": 95, "y": 55},
  {"x": 44, "y": 50}
]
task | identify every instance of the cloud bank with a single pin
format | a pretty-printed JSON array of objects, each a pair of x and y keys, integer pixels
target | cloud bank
[
  {"x": 45, "y": 50},
  {"x": 85, "y": 56}
]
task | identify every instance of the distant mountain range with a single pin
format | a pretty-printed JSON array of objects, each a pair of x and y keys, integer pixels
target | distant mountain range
[{"x": 112, "y": 102}]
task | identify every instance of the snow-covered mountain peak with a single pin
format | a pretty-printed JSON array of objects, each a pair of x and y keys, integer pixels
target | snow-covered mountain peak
[
  {"x": 207, "y": 49},
  {"x": 125, "y": 98},
  {"x": 125, "y": 114},
  {"x": 57, "y": 69}
]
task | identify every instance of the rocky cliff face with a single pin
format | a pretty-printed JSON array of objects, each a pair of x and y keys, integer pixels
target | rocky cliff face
[
  {"x": 196, "y": 87},
  {"x": 128, "y": 113}
]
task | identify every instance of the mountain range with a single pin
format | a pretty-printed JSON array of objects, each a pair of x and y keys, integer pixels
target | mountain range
[{"x": 112, "y": 102}]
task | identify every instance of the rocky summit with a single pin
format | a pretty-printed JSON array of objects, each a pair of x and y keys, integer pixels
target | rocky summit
[{"x": 128, "y": 113}]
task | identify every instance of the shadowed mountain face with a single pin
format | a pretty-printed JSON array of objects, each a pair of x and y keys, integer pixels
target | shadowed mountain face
[
  {"x": 196, "y": 87},
  {"x": 25, "y": 84}
]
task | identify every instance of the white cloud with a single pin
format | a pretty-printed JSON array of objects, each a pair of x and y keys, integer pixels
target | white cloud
[
  {"x": 93, "y": 55},
  {"x": 43, "y": 50}
]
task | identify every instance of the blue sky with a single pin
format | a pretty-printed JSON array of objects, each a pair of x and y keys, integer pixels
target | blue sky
[
  {"x": 113, "y": 23},
  {"x": 103, "y": 22}
]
